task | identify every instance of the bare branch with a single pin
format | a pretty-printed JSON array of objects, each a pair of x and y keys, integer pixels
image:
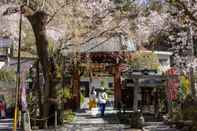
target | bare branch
[
  {"x": 99, "y": 34},
  {"x": 11, "y": 10},
  {"x": 194, "y": 12},
  {"x": 100, "y": 43},
  {"x": 181, "y": 5},
  {"x": 27, "y": 2},
  {"x": 56, "y": 13},
  {"x": 93, "y": 37},
  {"x": 43, "y": 4}
]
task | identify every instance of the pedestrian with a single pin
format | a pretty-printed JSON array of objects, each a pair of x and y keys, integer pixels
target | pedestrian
[
  {"x": 102, "y": 100},
  {"x": 1, "y": 108},
  {"x": 92, "y": 100},
  {"x": 3, "y": 111}
]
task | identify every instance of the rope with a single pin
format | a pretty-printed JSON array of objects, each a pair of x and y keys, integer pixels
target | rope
[{"x": 42, "y": 119}]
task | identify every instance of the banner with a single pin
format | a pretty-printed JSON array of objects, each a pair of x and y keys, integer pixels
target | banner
[
  {"x": 23, "y": 99},
  {"x": 172, "y": 89},
  {"x": 184, "y": 86},
  {"x": 172, "y": 84}
]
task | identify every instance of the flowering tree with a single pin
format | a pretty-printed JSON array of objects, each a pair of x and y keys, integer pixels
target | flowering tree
[{"x": 81, "y": 21}]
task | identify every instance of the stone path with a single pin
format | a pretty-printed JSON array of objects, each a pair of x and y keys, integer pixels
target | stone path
[
  {"x": 87, "y": 122},
  {"x": 84, "y": 121}
]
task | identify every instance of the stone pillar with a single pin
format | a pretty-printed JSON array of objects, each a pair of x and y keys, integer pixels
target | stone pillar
[{"x": 117, "y": 86}]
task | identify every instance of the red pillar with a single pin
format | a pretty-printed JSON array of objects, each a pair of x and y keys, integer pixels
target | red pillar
[{"x": 117, "y": 85}]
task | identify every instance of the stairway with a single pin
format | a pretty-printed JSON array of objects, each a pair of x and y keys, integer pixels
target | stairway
[
  {"x": 86, "y": 122},
  {"x": 7, "y": 125}
]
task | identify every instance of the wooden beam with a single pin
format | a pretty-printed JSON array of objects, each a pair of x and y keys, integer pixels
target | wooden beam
[{"x": 150, "y": 76}]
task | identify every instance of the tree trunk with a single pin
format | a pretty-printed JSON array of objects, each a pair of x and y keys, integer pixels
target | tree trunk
[
  {"x": 76, "y": 88},
  {"x": 40, "y": 92},
  {"x": 38, "y": 22},
  {"x": 192, "y": 80}
]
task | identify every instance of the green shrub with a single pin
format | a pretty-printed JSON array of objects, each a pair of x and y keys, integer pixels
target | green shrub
[
  {"x": 81, "y": 98},
  {"x": 64, "y": 94},
  {"x": 190, "y": 111},
  {"x": 69, "y": 116}
]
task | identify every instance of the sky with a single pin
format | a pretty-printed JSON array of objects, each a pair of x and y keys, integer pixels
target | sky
[{"x": 143, "y": 2}]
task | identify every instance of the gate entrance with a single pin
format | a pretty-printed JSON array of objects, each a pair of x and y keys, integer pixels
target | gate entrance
[{"x": 100, "y": 64}]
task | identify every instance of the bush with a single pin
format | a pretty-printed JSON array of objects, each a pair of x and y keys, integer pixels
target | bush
[
  {"x": 69, "y": 116},
  {"x": 189, "y": 111}
]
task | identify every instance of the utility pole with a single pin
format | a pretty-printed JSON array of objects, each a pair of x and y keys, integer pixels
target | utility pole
[
  {"x": 191, "y": 44},
  {"x": 18, "y": 75}
]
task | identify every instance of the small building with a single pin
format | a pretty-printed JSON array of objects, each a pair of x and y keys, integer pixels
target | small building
[
  {"x": 5, "y": 50},
  {"x": 143, "y": 89}
]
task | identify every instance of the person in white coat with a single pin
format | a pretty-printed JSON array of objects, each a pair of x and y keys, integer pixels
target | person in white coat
[{"x": 102, "y": 100}]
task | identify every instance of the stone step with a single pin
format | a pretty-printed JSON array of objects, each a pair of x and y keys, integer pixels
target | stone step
[
  {"x": 92, "y": 127},
  {"x": 6, "y": 120},
  {"x": 153, "y": 123},
  {"x": 7, "y": 125},
  {"x": 157, "y": 126}
]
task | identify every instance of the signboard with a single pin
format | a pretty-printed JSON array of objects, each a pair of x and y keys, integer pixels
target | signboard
[{"x": 5, "y": 42}]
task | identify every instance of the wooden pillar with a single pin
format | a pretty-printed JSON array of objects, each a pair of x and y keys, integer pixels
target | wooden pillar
[
  {"x": 76, "y": 89},
  {"x": 192, "y": 80},
  {"x": 169, "y": 103},
  {"x": 117, "y": 86},
  {"x": 156, "y": 103},
  {"x": 135, "y": 94}
]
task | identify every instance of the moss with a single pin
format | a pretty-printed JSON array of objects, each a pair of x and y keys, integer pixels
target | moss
[{"x": 7, "y": 75}]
